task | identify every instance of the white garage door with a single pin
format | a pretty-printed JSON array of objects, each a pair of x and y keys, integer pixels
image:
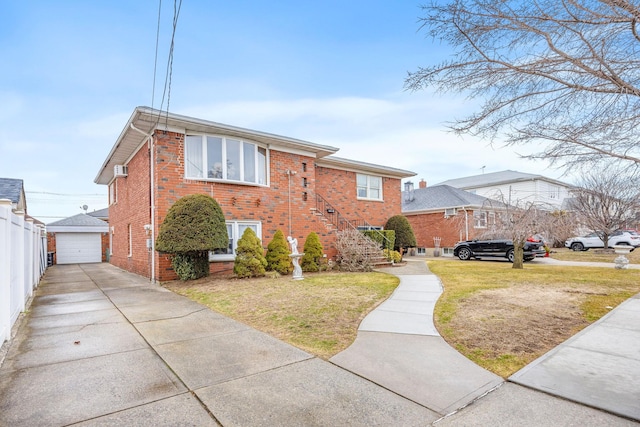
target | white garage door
[{"x": 76, "y": 248}]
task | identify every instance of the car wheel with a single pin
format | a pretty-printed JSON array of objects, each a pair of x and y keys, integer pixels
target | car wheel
[
  {"x": 577, "y": 246},
  {"x": 464, "y": 254},
  {"x": 510, "y": 255}
]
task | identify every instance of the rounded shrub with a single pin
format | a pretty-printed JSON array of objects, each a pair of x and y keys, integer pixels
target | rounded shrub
[
  {"x": 313, "y": 251},
  {"x": 194, "y": 225},
  {"x": 278, "y": 254},
  {"x": 250, "y": 260}
]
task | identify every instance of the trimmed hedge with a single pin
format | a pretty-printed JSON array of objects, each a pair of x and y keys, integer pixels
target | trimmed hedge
[
  {"x": 278, "y": 258},
  {"x": 377, "y": 236},
  {"x": 250, "y": 261},
  {"x": 313, "y": 251}
]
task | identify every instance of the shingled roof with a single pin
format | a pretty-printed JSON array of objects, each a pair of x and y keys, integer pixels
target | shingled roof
[
  {"x": 13, "y": 189},
  {"x": 79, "y": 223},
  {"x": 440, "y": 197}
]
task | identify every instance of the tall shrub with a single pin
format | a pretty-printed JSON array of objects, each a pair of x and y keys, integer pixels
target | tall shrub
[
  {"x": 404, "y": 233},
  {"x": 194, "y": 225},
  {"x": 250, "y": 260},
  {"x": 278, "y": 254},
  {"x": 311, "y": 260}
]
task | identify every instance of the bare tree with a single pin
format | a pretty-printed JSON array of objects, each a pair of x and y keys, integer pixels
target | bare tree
[
  {"x": 517, "y": 221},
  {"x": 605, "y": 201},
  {"x": 564, "y": 72}
]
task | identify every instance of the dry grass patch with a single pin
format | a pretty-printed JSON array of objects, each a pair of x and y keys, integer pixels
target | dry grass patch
[
  {"x": 503, "y": 319},
  {"x": 319, "y": 314}
]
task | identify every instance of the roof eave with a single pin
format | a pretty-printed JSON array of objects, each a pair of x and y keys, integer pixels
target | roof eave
[{"x": 148, "y": 120}]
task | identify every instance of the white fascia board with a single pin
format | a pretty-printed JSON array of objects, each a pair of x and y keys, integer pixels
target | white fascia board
[
  {"x": 338, "y": 163},
  {"x": 291, "y": 150},
  {"x": 78, "y": 229}
]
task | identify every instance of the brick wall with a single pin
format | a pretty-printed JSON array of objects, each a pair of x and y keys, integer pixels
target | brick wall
[
  {"x": 284, "y": 205},
  {"x": 132, "y": 207},
  {"x": 451, "y": 229},
  {"x": 339, "y": 188}
]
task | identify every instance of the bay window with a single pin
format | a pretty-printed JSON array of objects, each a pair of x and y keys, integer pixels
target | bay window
[{"x": 224, "y": 158}]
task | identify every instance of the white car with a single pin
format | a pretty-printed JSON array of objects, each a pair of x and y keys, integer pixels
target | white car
[{"x": 629, "y": 238}]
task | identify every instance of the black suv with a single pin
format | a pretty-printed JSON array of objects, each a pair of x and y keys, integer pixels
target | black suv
[{"x": 496, "y": 248}]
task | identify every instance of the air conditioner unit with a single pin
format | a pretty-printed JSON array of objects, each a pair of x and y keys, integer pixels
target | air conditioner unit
[
  {"x": 450, "y": 212},
  {"x": 119, "y": 170}
]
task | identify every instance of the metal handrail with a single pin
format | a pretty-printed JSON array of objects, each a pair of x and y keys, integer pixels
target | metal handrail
[{"x": 341, "y": 222}]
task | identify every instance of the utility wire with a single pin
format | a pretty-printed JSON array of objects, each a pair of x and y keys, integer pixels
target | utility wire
[
  {"x": 155, "y": 61},
  {"x": 169, "y": 72}
]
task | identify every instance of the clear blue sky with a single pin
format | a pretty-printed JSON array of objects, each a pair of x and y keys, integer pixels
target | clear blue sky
[{"x": 329, "y": 72}]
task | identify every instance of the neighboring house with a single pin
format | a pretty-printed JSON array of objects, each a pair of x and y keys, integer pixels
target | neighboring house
[
  {"x": 261, "y": 181},
  {"x": 78, "y": 239},
  {"x": 448, "y": 213},
  {"x": 102, "y": 214},
  {"x": 513, "y": 187},
  {"x": 13, "y": 189}
]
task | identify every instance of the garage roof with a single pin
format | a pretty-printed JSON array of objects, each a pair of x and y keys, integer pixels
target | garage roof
[{"x": 80, "y": 223}]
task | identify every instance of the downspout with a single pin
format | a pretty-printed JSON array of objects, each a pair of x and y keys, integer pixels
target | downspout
[
  {"x": 466, "y": 223},
  {"x": 153, "y": 203}
]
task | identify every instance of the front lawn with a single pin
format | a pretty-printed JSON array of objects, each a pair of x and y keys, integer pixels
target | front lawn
[
  {"x": 503, "y": 319},
  {"x": 592, "y": 255},
  {"x": 319, "y": 314}
]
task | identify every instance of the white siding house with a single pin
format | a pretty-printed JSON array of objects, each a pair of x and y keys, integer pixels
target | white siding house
[{"x": 515, "y": 188}]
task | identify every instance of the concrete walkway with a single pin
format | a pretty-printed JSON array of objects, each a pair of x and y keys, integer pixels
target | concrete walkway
[
  {"x": 104, "y": 347},
  {"x": 100, "y": 346}
]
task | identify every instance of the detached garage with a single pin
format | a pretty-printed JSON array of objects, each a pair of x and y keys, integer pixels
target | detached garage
[{"x": 77, "y": 239}]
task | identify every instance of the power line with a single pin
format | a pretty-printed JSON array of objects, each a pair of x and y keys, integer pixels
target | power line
[
  {"x": 65, "y": 194},
  {"x": 155, "y": 61}
]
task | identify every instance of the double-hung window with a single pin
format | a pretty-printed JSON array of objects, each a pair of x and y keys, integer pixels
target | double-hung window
[
  {"x": 369, "y": 187},
  {"x": 235, "y": 229},
  {"x": 223, "y": 158},
  {"x": 480, "y": 219}
]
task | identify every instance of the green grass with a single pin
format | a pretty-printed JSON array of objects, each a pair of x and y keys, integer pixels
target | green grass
[
  {"x": 319, "y": 314},
  {"x": 590, "y": 293}
]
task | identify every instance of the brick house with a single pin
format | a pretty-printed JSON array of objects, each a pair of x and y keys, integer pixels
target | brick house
[
  {"x": 262, "y": 181},
  {"x": 446, "y": 212}
]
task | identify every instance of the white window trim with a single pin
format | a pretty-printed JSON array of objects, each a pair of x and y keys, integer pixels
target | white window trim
[
  {"x": 234, "y": 227},
  {"x": 113, "y": 192},
  {"x": 224, "y": 159},
  {"x": 485, "y": 215},
  {"x": 130, "y": 254},
  {"x": 381, "y": 198}
]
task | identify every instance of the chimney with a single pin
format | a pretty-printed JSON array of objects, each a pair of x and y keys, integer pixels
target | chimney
[
  {"x": 408, "y": 191},
  {"x": 422, "y": 184}
]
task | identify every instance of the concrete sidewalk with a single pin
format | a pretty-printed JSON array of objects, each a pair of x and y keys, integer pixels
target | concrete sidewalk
[{"x": 104, "y": 347}]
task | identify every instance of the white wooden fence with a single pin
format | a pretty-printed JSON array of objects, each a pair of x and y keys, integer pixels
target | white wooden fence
[{"x": 23, "y": 259}]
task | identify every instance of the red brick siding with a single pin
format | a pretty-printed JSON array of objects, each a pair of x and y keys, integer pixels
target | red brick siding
[
  {"x": 451, "y": 229},
  {"x": 132, "y": 207},
  {"x": 273, "y": 206},
  {"x": 339, "y": 188},
  {"x": 51, "y": 245}
]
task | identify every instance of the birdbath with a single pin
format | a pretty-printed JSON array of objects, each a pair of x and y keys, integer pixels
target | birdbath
[
  {"x": 295, "y": 258},
  {"x": 621, "y": 262}
]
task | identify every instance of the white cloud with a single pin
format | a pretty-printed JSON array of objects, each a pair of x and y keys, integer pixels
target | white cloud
[{"x": 402, "y": 130}]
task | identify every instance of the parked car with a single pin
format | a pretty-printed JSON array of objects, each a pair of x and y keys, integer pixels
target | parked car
[
  {"x": 496, "y": 248},
  {"x": 592, "y": 240}
]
